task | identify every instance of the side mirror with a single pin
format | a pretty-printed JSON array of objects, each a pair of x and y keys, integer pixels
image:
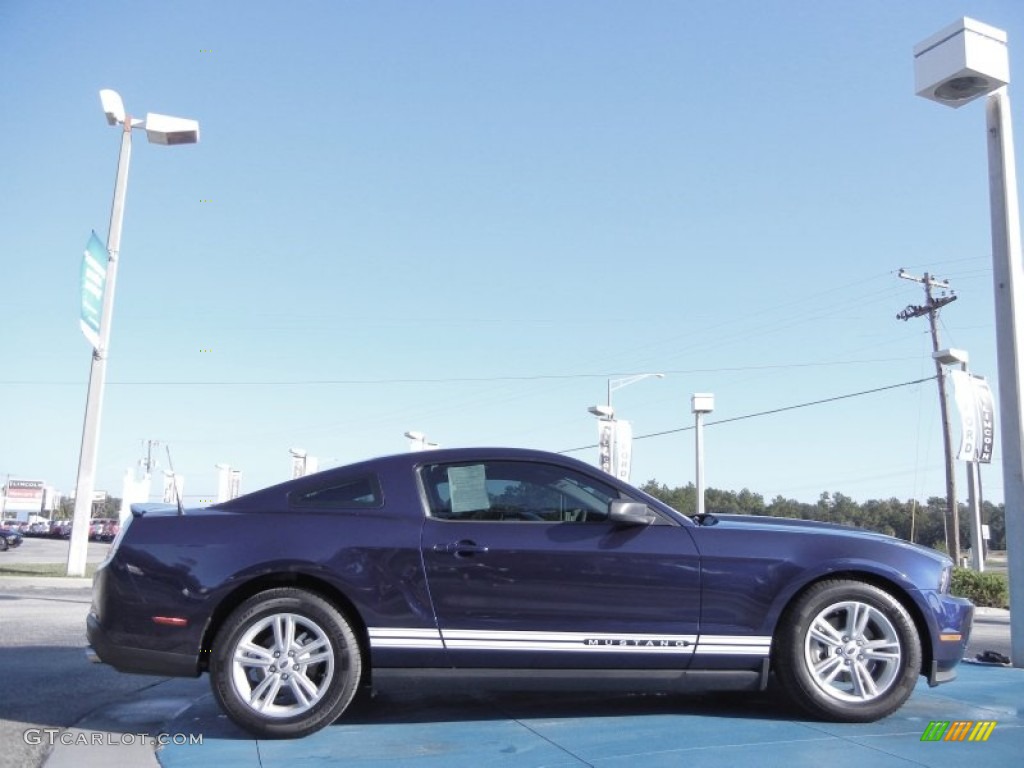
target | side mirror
[{"x": 631, "y": 513}]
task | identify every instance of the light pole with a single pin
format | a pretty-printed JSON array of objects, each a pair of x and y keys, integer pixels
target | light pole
[
  {"x": 160, "y": 129},
  {"x": 959, "y": 64},
  {"x": 700, "y": 403},
  {"x": 615, "y": 437},
  {"x": 617, "y": 384}
]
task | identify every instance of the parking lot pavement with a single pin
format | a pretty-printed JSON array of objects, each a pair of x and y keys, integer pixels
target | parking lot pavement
[
  {"x": 438, "y": 724},
  {"x": 449, "y": 728}
]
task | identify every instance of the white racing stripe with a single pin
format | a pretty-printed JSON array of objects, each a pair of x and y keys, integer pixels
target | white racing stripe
[
  {"x": 592, "y": 642},
  {"x": 734, "y": 645},
  {"x": 404, "y": 637}
]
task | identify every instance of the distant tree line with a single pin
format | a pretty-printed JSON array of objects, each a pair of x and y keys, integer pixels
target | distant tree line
[
  {"x": 101, "y": 510},
  {"x": 910, "y": 520}
]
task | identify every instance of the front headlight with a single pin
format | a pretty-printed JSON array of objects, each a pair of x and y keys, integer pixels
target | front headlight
[{"x": 945, "y": 578}]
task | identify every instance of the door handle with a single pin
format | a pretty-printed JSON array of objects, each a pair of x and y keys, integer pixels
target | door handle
[{"x": 463, "y": 548}]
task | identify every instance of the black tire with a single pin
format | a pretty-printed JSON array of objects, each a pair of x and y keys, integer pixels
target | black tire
[
  {"x": 317, "y": 659},
  {"x": 3, "y": 544},
  {"x": 847, "y": 651}
]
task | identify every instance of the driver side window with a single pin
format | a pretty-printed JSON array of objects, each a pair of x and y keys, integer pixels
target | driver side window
[{"x": 515, "y": 491}]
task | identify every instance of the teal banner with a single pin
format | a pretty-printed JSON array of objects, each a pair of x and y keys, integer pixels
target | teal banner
[{"x": 94, "y": 277}]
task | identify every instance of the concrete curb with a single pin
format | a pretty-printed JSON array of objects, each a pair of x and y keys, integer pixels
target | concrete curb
[
  {"x": 45, "y": 582},
  {"x": 1000, "y": 615}
]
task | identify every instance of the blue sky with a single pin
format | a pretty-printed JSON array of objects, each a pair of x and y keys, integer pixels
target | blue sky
[{"x": 462, "y": 218}]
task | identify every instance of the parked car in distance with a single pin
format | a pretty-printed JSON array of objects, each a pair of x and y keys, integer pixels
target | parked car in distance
[
  {"x": 108, "y": 530},
  {"x": 513, "y": 564},
  {"x": 9, "y": 538}
]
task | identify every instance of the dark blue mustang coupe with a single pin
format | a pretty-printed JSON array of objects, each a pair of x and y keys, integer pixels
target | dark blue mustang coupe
[{"x": 515, "y": 563}]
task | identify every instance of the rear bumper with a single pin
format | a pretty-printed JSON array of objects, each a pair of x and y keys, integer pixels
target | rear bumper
[{"x": 142, "y": 661}]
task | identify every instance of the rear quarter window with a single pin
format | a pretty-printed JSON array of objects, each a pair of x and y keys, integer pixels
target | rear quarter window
[{"x": 352, "y": 493}]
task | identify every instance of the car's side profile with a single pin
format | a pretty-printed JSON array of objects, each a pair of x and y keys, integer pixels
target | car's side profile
[{"x": 508, "y": 562}]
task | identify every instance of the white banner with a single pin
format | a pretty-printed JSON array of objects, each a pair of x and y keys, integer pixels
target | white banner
[
  {"x": 605, "y": 444},
  {"x": 170, "y": 483},
  {"x": 977, "y": 416},
  {"x": 93, "y": 280},
  {"x": 623, "y": 443},
  {"x": 223, "y": 482},
  {"x": 134, "y": 490}
]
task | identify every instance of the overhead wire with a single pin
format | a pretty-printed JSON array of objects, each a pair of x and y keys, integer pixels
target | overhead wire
[{"x": 768, "y": 412}]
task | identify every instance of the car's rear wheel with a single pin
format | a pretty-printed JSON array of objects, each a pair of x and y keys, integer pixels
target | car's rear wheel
[
  {"x": 285, "y": 663},
  {"x": 3, "y": 544},
  {"x": 848, "y": 651}
]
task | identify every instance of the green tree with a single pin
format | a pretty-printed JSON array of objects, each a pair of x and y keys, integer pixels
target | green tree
[{"x": 890, "y": 516}]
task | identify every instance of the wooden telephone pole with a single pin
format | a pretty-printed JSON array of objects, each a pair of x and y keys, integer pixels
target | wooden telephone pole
[{"x": 931, "y": 308}]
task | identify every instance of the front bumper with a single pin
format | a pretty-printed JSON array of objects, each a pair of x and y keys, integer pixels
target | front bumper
[{"x": 954, "y": 617}]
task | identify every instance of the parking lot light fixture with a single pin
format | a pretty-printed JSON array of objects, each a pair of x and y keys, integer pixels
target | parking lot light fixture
[
  {"x": 964, "y": 62},
  {"x": 160, "y": 129}
]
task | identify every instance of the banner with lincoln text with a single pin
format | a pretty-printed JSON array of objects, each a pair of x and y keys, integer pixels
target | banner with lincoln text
[{"x": 977, "y": 416}]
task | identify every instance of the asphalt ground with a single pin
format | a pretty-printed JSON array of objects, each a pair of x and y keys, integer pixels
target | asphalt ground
[{"x": 84, "y": 715}]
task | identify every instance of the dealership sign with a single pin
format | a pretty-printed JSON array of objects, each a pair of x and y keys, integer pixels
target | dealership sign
[{"x": 24, "y": 496}]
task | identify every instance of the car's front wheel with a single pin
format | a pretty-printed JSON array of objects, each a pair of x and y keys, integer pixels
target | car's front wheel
[
  {"x": 848, "y": 651},
  {"x": 285, "y": 663}
]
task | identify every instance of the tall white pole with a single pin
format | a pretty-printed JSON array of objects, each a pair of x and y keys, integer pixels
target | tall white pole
[
  {"x": 1008, "y": 281},
  {"x": 974, "y": 502},
  {"x": 699, "y": 431},
  {"x": 79, "y": 546}
]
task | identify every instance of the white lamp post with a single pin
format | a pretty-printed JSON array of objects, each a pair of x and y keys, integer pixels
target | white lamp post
[
  {"x": 160, "y": 129},
  {"x": 963, "y": 62},
  {"x": 700, "y": 403}
]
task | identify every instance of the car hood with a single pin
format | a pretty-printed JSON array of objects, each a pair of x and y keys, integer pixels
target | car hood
[{"x": 815, "y": 527}]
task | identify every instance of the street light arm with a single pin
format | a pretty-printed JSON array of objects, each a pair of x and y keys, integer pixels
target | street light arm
[{"x": 617, "y": 384}]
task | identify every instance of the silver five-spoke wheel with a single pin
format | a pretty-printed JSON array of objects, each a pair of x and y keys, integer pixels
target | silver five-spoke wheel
[
  {"x": 285, "y": 663},
  {"x": 847, "y": 650},
  {"x": 853, "y": 650}
]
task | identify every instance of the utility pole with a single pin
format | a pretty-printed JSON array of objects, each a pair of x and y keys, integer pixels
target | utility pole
[
  {"x": 931, "y": 308},
  {"x": 148, "y": 462}
]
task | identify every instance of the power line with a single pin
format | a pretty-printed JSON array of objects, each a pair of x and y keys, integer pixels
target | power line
[
  {"x": 766, "y": 413},
  {"x": 459, "y": 379}
]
